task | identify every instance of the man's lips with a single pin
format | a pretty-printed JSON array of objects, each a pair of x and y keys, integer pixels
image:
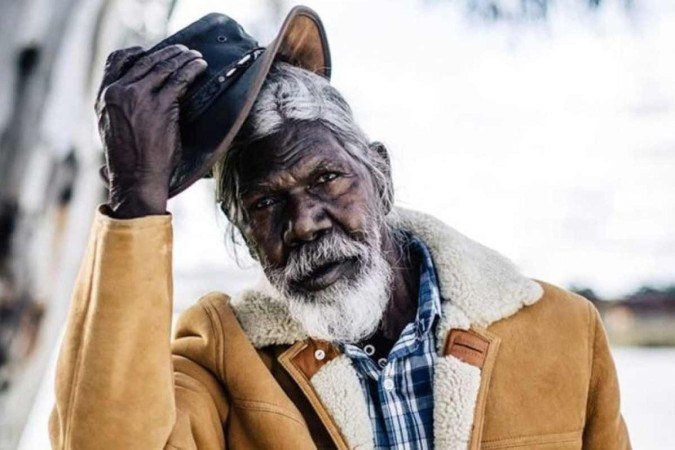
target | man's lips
[{"x": 325, "y": 275}]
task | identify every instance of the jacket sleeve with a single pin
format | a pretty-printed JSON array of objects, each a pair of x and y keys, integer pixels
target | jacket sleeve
[
  {"x": 605, "y": 428},
  {"x": 118, "y": 385}
]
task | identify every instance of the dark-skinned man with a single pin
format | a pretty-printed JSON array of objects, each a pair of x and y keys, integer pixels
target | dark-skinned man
[{"x": 375, "y": 327}]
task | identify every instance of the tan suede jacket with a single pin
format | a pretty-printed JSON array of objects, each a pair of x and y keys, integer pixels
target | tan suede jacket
[{"x": 523, "y": 364}]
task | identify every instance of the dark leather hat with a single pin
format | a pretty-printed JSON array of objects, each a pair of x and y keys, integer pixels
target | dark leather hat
[{"x": 217, "y": 103}]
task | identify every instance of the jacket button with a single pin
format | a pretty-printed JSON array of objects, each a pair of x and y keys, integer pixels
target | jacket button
[{"x": 319, "y": 354}]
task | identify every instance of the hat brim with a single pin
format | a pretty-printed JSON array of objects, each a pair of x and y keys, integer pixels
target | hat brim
[{"x": 301, "y": 41}]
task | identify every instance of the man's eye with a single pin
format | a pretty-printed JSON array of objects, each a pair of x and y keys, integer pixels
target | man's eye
[
  {"x": 326, "y": 177},
  {"x": 264, "y": 203}
]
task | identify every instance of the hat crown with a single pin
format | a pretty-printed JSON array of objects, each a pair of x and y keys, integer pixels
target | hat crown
[{"x": 220, "y": 39}]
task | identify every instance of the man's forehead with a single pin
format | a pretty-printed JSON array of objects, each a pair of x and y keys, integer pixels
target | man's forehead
[
  {"x": 299, "y": 137},
  {"x": 301, "y": 148}
]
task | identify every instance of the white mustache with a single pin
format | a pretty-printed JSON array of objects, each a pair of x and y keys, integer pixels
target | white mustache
[{"x": 335, "y": 247}]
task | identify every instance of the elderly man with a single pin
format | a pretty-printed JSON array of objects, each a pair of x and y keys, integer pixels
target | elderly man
[{"x": 376, "y": 327}]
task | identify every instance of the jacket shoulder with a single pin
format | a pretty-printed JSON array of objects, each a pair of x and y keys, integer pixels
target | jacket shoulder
[
  {"x": 555, "y": 297},
  {"x": 552, "y": 356},
  {"x": 207, "y": 332},
  {"x": 202, "y": 313},
  {"x": 559, "y": 319}
]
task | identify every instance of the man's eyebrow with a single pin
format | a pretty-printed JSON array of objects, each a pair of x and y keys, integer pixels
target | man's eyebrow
[
  {"x": 254, "y": 187},
  {"x": 324, "y": 165}
]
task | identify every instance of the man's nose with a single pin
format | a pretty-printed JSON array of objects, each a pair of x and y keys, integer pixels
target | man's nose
[{"x": 307, "y": 221}]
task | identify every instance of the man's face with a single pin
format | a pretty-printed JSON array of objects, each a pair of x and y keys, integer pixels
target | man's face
[
  {"x": 312, "y": 219},
  {"x": 298, "y": 191}
]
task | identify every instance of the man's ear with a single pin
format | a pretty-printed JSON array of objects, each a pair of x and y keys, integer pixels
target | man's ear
[{"x": 386, "y": 191}]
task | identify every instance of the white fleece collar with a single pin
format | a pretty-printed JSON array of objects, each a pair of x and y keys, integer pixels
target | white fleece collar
[{"x": 480, "y": 286}]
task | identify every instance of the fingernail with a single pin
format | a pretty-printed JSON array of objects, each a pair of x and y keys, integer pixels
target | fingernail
[
  {"x": 182, "y": 47},
  {"x": 198, "y": 53}
]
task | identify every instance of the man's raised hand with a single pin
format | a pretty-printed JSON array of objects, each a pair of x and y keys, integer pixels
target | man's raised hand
[{"x": 137, "y": 109}]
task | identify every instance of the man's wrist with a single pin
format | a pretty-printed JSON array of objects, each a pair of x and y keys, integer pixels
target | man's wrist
[
  {"x": 134, "y": 205},
  {"x": 125, "y": 211}
]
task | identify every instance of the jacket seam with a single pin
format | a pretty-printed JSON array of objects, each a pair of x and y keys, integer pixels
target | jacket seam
[
  {"x": 132, "y": 228},
  {"x": 218, "y": 333},
  {"x": 478, "y": 417},
  {"x": 266, "y": 410},
  {"x": 261, "y": 406},
  {"x": 78, "y": 359},
  {"x": 242, "y": 400},
  {"x": 592, "y": 329},
  {"x": 542, "y": 439},
  {"x": 521, "y": 444}
]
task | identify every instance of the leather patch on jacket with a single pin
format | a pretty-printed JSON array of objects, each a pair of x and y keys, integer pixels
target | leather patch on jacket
[
  {"x": 314, "y": 356},
  {"x": 467, "y": 346}
]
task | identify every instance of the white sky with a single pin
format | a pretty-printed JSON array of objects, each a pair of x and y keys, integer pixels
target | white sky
[{"x": 551, "y": 143}]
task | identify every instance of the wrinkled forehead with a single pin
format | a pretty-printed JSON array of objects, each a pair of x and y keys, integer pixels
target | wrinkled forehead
[{"x": 297, "y": 147}]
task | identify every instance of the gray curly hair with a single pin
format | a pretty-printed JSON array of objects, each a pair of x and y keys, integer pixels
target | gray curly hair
[{"x": 291, "y": 95}]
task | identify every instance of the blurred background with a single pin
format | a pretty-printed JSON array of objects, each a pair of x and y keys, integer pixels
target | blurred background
[{"x": 544, "y": 129}]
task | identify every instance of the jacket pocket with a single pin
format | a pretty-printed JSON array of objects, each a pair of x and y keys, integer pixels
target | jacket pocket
[
  {"x": 265, "y": 407},
  {"x": 556, "y": 441}
]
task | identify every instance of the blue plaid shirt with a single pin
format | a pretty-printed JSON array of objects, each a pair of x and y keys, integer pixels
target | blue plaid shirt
[{"x": 400, "y": 394}]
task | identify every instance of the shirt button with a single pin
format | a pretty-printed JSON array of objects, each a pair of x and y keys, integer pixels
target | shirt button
[
  {"x": 388, "y": 384},
  {"x": 369, "y": 349},
  {"x": 319, "y": 354}
]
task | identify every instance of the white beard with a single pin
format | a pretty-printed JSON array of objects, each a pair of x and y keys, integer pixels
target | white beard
[{"x": 349, "y": 310}]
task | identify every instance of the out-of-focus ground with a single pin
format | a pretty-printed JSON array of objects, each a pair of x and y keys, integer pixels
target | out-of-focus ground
[{"x": 551, "y": 141}]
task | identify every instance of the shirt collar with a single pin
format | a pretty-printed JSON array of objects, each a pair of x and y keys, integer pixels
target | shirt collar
[{"x": 429, "y": 297}]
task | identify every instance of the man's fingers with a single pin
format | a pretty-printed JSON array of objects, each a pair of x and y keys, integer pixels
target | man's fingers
[
  {"x": 146, "y": 63},
  {"x": 164, "y": 69},
  {"x": 180, "y": 80},
  {"x": 116, "y": 64},
  {"x": 119, "y": 60}
]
